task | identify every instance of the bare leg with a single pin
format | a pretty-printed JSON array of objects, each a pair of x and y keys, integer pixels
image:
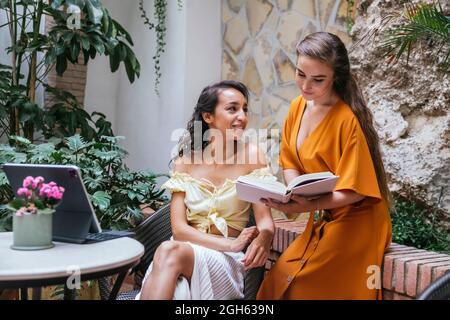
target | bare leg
[{"x": 172, "y": 259}]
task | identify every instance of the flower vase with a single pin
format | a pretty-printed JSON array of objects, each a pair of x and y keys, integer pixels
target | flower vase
[{"x": 32, "y": 232}]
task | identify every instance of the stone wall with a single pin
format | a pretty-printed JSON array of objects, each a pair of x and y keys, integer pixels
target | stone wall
[
  {"x": 259, "y": 39},
  {"x": 410, "y": 103}
]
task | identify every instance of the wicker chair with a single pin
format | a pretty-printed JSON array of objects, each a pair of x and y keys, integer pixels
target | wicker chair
[
  {"x": 157, "y": 229},
  {"x": 438, "y": 290}
]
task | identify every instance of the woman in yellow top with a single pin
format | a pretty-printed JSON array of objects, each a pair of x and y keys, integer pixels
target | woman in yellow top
[
  {"x": 205, "y": 259},
  {"x": 330, "y": 128}
]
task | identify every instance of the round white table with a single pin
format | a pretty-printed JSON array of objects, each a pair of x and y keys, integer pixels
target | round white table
[{"x": 39, "y": 268}]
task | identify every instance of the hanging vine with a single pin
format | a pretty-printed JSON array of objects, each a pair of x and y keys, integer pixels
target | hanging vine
[
  {"x": 160, "y": 14},
  {"x": 350, "y": 15},
  {"x": 160, "y": 28},
  {"x": 144, "y": 15}
]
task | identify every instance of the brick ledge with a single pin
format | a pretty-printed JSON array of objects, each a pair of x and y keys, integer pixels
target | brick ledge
[{"x": 407, "y": 271}]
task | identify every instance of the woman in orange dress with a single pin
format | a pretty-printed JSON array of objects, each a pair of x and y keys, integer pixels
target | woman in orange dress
[{"x": 330, "y": 128}]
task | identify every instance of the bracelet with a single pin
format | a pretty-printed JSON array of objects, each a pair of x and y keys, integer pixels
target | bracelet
[{"x": 317, "y": 212}]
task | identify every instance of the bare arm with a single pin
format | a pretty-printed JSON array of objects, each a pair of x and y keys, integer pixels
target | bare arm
[
  {"x": 333, "y": 200},
  {"x": 290, "y": 174},
  {"x": 182, "y": 231},
  {"x": 258, "y": 251}
]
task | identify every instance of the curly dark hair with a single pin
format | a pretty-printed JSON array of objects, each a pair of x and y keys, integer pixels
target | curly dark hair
[{"x": 206, "y": 103}]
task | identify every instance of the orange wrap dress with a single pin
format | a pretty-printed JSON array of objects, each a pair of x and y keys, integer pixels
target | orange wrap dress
[{"x": 340, "y": 255}]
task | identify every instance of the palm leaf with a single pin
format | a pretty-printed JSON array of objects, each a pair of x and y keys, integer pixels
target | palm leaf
[{"x": 418, "y": 22}]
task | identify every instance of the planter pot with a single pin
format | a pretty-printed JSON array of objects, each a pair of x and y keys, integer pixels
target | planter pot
[{"x": 32, "y": 232}]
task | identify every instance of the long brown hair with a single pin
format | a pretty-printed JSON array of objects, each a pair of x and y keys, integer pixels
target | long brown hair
[{"x": 328, "y": 48}]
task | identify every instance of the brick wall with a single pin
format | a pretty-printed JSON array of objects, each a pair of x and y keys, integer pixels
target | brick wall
[
  {"x": 73, "y": 80},
  {"x": 407, "y": 271}
]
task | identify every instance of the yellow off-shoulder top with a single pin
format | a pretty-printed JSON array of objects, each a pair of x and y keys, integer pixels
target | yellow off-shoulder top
[{"x": 220, "y": 207}]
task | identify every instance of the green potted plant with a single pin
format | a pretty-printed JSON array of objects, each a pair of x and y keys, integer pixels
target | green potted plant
[
  {"x": 119, "y": 195},
  {"x": 97, "y": 34}
]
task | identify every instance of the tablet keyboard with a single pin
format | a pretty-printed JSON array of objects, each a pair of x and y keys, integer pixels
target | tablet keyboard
[{"x": 108, "y": 235}]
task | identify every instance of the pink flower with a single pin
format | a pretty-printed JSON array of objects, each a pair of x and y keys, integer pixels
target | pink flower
[
  {"x": 25, "y": 211},
  {"x": 37, "y": 181},
  {"x": 51, "y": 191},
  {"x": 32, "y": 210},
  {"x": 57, "y": 195},
  {"x": 24, "y": 192},
  {"x": 28, "y": 181},
  {"x": 45, "y": 189}
]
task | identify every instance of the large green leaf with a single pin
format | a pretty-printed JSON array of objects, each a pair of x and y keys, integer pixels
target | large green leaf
[
  {"x": 20, "y": 157},
  {"x": 16, "y": 204},
  {"x": 50, "y": 56},
  {"x": 101, "y": 200},
  {"x": 130, "y": 71},
  {"x": 92, "y": 52},
  {"x": 59, "y": 49},
  {"x": 106, "y": 25},
  {"x": 21, "y": 140},
  {"x": 122, "y": 49},
  {"x": 94, "y": 182},
  {"x": 123, "y": 32},
  {"x": 74, "y": 51},
  {"x": 61, "y": 64},
  {"x": 85, "y": 42},
  {"x": 86, "y": 56},
  {"x": 94, "y": 10},
  {"x": 67, "y": 36},
  {"x": 76, "y": 143},
  {"x": 98, "y": 44},
  {"x": 114, "y": 61},
  {"x": 42, "y": 153}
]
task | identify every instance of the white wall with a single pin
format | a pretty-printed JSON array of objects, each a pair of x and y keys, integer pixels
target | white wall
[
  {"x": 5, "y": 42},
  {"x": 102, "y": 88},
  {"x": 192, "y": 60}
]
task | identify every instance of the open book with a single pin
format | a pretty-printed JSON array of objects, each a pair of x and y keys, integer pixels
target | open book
[{"x": 310, "y": 185}]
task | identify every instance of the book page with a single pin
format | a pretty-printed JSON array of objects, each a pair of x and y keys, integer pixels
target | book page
[
  {"x": 269, "y": 185},
  {"x": 318, "y": 187},
  {"x": 254, "y": 194},
  {"x": 308, "y": 178}
]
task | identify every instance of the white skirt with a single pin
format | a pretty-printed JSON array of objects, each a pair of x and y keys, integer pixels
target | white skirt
[{"x": 216, "y": 275}]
